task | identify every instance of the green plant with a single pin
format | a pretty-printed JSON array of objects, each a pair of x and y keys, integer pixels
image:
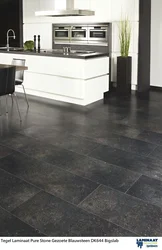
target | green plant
[
  {"x": 124, "y": 37},
  {"x": 29, "y": 45}
]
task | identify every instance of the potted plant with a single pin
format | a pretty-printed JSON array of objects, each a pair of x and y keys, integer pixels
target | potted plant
[{"x": 124, "y": 62}]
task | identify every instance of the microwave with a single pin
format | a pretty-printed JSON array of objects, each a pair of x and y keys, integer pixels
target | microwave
[
  {"x": 61, "y": 33},
  {"x": 79, "y": 33},
  {"x": 98, "y": 34}
]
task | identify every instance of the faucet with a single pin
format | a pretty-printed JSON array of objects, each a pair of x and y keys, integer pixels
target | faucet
[{"x": 13, "y": 36}]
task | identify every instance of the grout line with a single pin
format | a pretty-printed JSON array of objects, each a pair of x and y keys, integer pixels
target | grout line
[
  {"x": 82, "y": 209},
  {"x": 149, "y": 155},
  {"x": 12, "y": 211},
  {"x": 89, "y": 195},
  {"x": 133, "y": 185},
  {"x": 107, "y": 220},
  {"x": 99, "y": 184},
  {"x": 23, "y": 222},
  {"x": 23, "y": 180},
  {"x": 79, "y": 155},
  {"x": 86, "y": 198}
]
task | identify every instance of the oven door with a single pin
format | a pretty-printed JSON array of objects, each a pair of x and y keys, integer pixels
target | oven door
[
  {"x": 61, "y": 33},
  {"x": 98, "y": 34},
  {"x": 79, "y": 34}
]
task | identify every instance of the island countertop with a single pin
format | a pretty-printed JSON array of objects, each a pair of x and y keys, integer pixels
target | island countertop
[
  {"x": 71, "y": 80},
  {"x": 58, "y": 53}
]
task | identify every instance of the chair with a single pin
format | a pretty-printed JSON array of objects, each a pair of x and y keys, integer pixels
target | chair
[
  {"x": 19, "y": 78},
  {"x": 7, "y": 84}
]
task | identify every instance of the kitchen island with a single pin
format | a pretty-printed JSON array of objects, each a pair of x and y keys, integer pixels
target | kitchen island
[{"x": 78, "y": 78}]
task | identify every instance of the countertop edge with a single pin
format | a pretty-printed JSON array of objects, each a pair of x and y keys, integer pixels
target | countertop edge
[{"x": 85, "y": 57}]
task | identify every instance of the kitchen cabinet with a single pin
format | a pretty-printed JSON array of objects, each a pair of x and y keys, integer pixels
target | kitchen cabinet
[{"x": 55, "y": 77}]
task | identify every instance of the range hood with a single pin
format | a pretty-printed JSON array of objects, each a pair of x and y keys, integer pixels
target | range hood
[{"x": 67, "y": 10}]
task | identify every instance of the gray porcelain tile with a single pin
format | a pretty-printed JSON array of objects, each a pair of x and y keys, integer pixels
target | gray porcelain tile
[
  {"x": 55, "y": 217},
  {"x": 14, "y": 191},
  {"x": 102, "y": 172},
  {"x": 157, "y": 153},
  {"x": 41, "y": 131},
  {"x": 150, "y": 136},
  {"x": 72, "y": 143},
  {"x": 17, "y": 141},
  {"x": 40, "y": 150},
  {"x": 52, "y": 121},
  {"x": 4, "y": 151},
  {"x": 10, "y": 226},
  {"x": 148, "y": 189},
  {"x": 127, "y": 144},
  {"x": 144, "y": 165},
  {"x": 126, "y": 211},
  {"x": 47, "y": 177},
  {"x": 62, "y": 139}
]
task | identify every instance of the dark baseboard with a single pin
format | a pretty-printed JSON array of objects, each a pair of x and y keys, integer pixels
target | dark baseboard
[
  {"x": 157, "y": 89},
  {"x": 143, "y": 95},
  {"x": 112, "y": 89},
  {"x": 61, "y": 104}
]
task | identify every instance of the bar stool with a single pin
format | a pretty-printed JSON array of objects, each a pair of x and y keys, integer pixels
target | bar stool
[{"x": 19, "y": 77}]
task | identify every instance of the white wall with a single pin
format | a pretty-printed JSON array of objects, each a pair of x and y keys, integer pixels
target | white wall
[
  {"x": 156, "y": 43},
  {"x": 105, "y": 11}
]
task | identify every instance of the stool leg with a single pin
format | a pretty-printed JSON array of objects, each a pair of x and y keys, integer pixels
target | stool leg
[
  {"x": 6, "y": 104},
  {"x": 17, "y": 106},
  {"x": 12, "y": 99},
  {"x": 25, "y": 96},
  {"x": 0, "y": 107}
]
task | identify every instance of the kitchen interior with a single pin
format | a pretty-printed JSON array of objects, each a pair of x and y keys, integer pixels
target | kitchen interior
[
  {"x": 69, "y": 29},
  {"x": 73, "y": 165}
]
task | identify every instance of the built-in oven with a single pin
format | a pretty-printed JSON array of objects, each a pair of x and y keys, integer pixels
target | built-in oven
[
  {"x": 79, "y": 33},
  {"x": 61, "y": 33},
  {"x": 98, "y": 34}
]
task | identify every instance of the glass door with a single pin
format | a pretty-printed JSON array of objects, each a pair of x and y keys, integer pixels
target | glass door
[
  {"x": 98, "y": 33},
  {"x": 79, "y": 33},
  {"x": 61, "y": 33}
]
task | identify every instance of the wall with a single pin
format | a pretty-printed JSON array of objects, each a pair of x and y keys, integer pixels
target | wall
[
  {"x": 105, "y": 11},
  {"x": 156, "y": 43},
  {"x": 10, "y": 18}
]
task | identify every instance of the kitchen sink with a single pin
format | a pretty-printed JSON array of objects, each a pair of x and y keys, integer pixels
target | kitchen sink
[
  {"x": 12, "y": 48},
  {"x": 60, "y": 51}
]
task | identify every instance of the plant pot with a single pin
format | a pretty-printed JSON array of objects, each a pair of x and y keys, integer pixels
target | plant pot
[{"x": 124, "y": 75}]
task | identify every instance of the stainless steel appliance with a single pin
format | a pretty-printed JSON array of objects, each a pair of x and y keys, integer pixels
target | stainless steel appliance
[
  {"x": 79, "y": 33},
  {"x": 98, "y": 34},
  {"x": 61, "y": 33},
  {"x": 68, "y": 11}
]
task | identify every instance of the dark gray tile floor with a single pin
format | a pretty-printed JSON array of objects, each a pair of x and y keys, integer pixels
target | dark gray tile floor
[{"x": 94, "y": 171}]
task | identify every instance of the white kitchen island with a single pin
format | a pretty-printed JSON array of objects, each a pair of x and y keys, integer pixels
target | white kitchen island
[{"x": 74, "y": 80}]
